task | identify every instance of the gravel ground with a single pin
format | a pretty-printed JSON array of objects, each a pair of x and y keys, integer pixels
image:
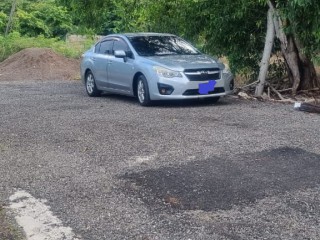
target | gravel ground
[
  {"x": 8, "y": 228},
  {"x": 111, "y": 169}
]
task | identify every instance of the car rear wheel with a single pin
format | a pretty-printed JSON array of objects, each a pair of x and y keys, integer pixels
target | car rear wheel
[
  {"x": 143, "y": 91},
  {"x": 91, "y": 86}
]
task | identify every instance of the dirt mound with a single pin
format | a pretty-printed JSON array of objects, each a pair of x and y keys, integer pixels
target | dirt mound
[{"x": 38, "y": 64}]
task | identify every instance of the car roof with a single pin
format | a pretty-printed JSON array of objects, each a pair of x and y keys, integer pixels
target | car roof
[
  {"x": 140, "y": 34},
  {"x": 129, "y": 35}
]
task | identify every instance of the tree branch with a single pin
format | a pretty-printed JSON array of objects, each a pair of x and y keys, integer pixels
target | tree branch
[{"x": 275, "y": 91}]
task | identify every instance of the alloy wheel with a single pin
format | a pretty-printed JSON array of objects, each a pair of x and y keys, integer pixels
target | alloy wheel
[
  {"x": 141, "y": 92},
  {"x": 90, "y": 83}
]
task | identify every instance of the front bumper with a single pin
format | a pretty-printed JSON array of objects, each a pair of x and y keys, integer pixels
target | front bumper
[{"x": 186, "y": 89}]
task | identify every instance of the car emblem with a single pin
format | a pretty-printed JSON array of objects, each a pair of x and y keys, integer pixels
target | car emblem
[{"x": 204, "y": 72}]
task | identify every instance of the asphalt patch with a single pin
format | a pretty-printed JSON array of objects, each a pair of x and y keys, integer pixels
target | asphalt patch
[{"x": 221, "y": 183}]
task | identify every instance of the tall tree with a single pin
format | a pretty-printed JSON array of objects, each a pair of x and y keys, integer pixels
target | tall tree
[
  {"x": 264, "y": 65},
  {"x": 12, "y": 12},
  {"x": 297, "y": 27}
]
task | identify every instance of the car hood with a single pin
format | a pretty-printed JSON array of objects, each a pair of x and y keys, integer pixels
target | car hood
[{"x": 182, "y": 62}]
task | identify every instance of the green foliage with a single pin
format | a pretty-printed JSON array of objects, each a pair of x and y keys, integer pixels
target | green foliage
[
  {"x": 3, "y": 21},
  {"x": 90, "y": 16},
  {"x": 129, "y": 16},
  {"x": 37, "y": 17},
  {"x": 235, "y": 29},
  {"x": 5, "y": 6},
  {"x": 14, "y": 42},
  {"x": 43, "y": 17},
  {"x": 302, "y": 19}
]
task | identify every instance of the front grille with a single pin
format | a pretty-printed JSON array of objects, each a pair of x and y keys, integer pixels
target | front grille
[
  {"x": 194, "y": 92},
  {"x": 203, "y": 74}
]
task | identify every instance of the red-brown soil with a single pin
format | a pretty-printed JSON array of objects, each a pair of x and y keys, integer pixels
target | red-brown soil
[{"x": 38, "y": 64}]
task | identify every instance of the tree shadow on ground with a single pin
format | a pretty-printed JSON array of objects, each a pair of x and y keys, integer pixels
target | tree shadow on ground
[
  {"x": 171, "y": 103},
  {"x": 221, "y": 183}
]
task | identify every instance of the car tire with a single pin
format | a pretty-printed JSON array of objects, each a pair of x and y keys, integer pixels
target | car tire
[
  {"x": 142, "y": 90},
  {"x": 91, "y": 86}
]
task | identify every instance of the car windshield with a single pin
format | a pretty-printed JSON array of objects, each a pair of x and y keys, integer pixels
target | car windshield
[{"x": 161, "y": 45}]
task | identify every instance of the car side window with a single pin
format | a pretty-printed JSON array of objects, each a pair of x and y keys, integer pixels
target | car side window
[
  {"x": 106, "y": 47},
  {"x": 97, "y": 47},
  {"x": 119, "y": 44}
]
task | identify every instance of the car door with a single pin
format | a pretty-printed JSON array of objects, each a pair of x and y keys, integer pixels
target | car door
[
  {"x": 121, "y": 70},
  {"x": 100, "y": 62}
]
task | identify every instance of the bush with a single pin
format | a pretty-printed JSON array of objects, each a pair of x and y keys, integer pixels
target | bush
[{"x": 14, "y": 42}]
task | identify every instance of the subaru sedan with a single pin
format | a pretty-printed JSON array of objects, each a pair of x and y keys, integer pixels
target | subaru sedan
[{"x": 153, "y": 66}]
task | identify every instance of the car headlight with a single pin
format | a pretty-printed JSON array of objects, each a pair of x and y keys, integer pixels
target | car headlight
[{"x": 166, "y": 73}]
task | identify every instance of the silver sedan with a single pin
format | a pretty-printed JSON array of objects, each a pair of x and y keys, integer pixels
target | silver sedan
[{"x": 153, "y": 66}]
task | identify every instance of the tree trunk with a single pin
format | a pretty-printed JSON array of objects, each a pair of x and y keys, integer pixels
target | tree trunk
[
  {"x": 264, "y": 65},
  {"x": 309, "y": 78},
  {"x": 300, "y": 67},
  {"x": 13, "y": 9}
]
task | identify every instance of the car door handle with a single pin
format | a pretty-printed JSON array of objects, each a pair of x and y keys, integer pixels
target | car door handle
[
  {"x": 93, "y": 59},
  {"x": 110, "y": 62}
]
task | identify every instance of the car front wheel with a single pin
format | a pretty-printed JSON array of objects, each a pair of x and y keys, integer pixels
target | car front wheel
[
  {"x": 91, "y": 86},
  {"x": 143, "y": 91}
]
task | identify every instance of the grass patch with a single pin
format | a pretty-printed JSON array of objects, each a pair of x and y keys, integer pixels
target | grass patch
[
  {"x": 14, "y": 43},
  {"x": 8, "y": 230}
]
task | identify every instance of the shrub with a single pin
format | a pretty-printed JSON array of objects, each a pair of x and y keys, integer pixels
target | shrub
[{"x": 14, "y": 42}]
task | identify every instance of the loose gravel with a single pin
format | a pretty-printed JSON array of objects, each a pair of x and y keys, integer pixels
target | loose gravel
[{"x": 102, "y": 164}]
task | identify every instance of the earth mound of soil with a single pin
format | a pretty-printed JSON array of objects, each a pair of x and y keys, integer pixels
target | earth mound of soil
[{"x": 38, "y": 64}]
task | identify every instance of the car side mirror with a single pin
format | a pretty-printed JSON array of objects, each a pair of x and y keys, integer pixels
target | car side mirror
[{"x": 120, "y": 54}]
